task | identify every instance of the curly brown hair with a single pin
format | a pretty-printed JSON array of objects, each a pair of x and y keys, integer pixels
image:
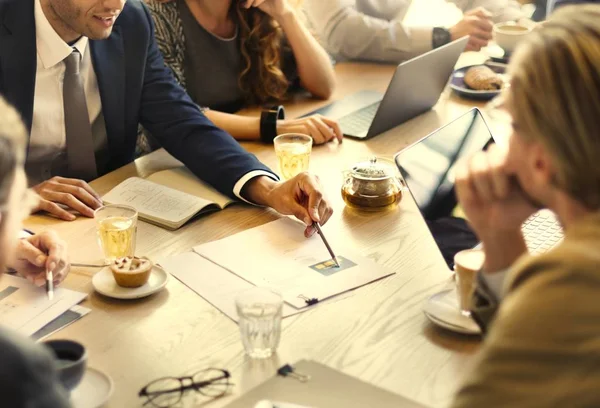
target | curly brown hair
[{"x": 261, "y": 40}]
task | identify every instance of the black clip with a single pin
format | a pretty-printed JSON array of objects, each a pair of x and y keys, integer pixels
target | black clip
[
  {"x": 309, "y": 301},
  {"x": 288, "y": 371}
]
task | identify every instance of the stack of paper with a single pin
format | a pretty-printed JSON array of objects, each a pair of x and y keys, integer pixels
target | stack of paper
[
  {"x": 26, "y": 308},
  {"x": 275, "y": 255}
]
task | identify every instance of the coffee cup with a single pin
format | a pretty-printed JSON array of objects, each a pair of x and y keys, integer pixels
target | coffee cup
[
  {"x": 466, "y": 265},
  {"x": 70, "y": 360},
  {"x": 507, "y": 35}
]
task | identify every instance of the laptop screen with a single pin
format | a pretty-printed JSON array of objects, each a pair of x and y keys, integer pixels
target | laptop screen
[{"x": 428, "y": 171}]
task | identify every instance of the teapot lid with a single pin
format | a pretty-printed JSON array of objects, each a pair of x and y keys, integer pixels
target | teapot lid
[{"x": 373, "y": 169}]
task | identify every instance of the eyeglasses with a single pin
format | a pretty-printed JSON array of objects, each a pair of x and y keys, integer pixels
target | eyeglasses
[{"x": 166, "y": 392}]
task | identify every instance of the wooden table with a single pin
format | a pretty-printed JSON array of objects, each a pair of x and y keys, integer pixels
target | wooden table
[{"x": 377, "y": 333}]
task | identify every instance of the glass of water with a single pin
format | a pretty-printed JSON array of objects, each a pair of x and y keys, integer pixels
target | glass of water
[{"x": 259, "y": 312}]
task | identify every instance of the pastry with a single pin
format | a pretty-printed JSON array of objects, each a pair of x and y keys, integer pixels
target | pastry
[
  {"x": 131, "y": 272},
  {"x": 482, "y": 78}
]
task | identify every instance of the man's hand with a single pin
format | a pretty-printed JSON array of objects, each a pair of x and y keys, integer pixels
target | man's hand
[
  {"x": 477, "y": 24},
  {"x": 75, "y": 194},
  {"x": 300, "y": 196},
  {"x": 41, "y": 252},
  {"x": 495, "y": 206}
]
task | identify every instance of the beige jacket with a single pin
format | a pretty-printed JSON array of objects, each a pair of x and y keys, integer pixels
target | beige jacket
[{"x": 543, "y": 346}]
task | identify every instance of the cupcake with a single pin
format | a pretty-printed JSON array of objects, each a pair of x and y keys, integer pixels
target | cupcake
[{"x": 131, "y": 272}]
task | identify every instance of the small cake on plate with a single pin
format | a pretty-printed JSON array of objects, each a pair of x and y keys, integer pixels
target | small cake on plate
[{"x": 131, "y": 272}]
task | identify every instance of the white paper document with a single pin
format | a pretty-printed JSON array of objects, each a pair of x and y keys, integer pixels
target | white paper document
[
  {"x": 216, "y": 285},
  {"x": 26, "y": 308},
  {"x": 277, "y": 255}
]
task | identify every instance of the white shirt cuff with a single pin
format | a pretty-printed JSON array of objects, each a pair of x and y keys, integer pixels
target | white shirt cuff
[
  {"x": 421, "y": 39},
  {"x": 495, "y": 282},
  {"x": 237, "y": 189}
]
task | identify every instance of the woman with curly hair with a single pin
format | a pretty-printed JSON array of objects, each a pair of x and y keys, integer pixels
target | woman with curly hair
[{"x": 232, "y": 53}]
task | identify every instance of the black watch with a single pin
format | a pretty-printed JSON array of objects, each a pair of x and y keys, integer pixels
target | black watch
[
  {"x": 268, "y": 123},
  {"x": 441, "y": 36}
]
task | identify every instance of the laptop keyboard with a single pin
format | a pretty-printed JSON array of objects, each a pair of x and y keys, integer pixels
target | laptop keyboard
[
  {"x": 542, "y": 232},
  {"x": 359, "y": 122}
]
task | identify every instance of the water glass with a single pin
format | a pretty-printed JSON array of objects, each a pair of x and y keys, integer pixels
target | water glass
[
  {"x": 117, "y": 230},
  {"x": 293, "y": 153},
  {"x": 259, "y": 312}
]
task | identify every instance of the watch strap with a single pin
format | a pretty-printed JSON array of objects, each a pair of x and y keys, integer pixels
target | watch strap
[{"x": 268, "y": 123}]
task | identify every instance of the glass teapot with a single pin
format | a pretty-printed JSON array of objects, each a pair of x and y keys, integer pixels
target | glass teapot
[{"x": 372, "y": 185}]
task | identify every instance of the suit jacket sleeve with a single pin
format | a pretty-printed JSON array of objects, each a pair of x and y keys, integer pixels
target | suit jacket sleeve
[{"x": 180, "y": 127}]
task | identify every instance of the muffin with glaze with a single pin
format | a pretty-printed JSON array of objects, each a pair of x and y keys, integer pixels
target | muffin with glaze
[{"x": 131, "y": 272}]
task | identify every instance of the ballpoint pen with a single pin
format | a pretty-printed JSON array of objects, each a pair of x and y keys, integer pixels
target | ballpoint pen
[
  {"x": 320, "y": 232},
  {"x": 49, "y": 284}
]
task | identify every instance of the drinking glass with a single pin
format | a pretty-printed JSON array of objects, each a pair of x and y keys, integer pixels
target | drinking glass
[
  {"x": 117, "y": 228},
  {"x": 293, "y": 152},
  {"x": 467, "y": 263},
  {"x": 259, "y": 312}
]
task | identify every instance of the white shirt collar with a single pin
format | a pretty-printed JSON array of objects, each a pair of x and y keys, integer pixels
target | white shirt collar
[{"x": 50, "y": 47}]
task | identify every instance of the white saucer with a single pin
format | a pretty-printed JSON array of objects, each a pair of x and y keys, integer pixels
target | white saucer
[
  {"x": 94, "y": 390},
  {"x": 105, "y": 284},
  {"x": 442, "y": 309}
]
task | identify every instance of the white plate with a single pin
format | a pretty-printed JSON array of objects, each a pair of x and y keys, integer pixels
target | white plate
[
  {"x": 105, "y": 284},
  {"x": 442, "y": 309},
  {"x": 94, "y": 390}
]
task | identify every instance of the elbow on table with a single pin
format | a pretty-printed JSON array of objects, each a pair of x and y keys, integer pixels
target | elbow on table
[{"x": 325, "y": 90}]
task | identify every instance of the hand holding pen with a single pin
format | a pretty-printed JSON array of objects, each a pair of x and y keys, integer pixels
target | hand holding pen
[{"x": 42, "y": 257}]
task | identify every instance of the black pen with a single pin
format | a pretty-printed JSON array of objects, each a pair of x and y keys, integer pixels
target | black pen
[
  {"x": 320, "y": 232},
  {"x": 49, "y": 284}
]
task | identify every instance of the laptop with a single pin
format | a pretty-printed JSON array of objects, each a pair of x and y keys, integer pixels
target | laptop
[
  {"x": 427, "y": 169},
  {"x": 415, "y": 87}
]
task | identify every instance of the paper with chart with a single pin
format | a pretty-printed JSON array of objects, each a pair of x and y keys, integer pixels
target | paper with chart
[
  {"x": 215, "y": 284},
  {"x": 26, "y": 308},
  {"x": 277, "y": 255}
]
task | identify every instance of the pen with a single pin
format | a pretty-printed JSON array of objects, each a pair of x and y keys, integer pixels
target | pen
[
  {"x": 320, "y": 232},
  {"x": 49, "y": 284}
]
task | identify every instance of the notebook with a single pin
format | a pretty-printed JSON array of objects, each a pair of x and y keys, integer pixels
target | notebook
[
  {"x": 168, "y": 198},
  {"x": 326, "y": 388}
]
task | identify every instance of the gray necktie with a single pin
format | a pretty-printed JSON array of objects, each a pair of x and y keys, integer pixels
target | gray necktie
[{"x": 80, "y": 145}]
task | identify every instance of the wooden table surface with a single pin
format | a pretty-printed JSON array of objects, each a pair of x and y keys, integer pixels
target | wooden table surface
[{"x": 377, "y": 333}]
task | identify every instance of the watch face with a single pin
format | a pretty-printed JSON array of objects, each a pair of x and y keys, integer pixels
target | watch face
[{"x": 441, "y": 36}]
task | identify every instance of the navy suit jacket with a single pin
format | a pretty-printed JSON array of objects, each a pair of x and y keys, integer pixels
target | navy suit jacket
[{"x": 135, "y": 87}]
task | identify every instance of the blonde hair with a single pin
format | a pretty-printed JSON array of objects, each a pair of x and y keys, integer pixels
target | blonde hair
[
  {"x": 12, "y": 147},
  {"x": 555, "y": 97}
]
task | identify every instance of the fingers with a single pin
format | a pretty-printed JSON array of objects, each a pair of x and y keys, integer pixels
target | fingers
[
  {"x": 81, "y": 184},
  {"x": 475, "y": 44},
  {"x": 81, "y": 194},
  {"x": 327, "y": 132},
  {"x": 69, "y": 200},
  {"x": 55, "y": 209},
  {"x": 28, "y": 252},
  {"x": 315, "y": 133},
  {"x": 479, "y": 12},
  {"x": 57, "y": 261},
  {"x": 337, "y": 130},
  {"x": 482, "y": 28}
]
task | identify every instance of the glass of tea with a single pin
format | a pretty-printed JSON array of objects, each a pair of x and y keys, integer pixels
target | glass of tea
[
  {"x": 117, "y": 228},
  {"x": 293, "y": 152}
]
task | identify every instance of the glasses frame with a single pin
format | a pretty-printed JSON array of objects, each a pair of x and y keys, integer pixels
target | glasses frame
[{"x": 186, "y": 383}]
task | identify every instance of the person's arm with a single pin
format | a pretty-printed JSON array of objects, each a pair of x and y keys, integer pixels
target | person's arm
[
  {"x": 314, "y": 65},
  {"x": 535, "y": 353},
  {"x": 320, "y": 128},
  {"x": 351, "y": 34},
  {"x": 183, "y": 130},
  {"x": 501, "y": 10}
]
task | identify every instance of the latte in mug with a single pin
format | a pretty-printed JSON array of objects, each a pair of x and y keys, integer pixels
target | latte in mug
[{"x": 466, "y": 265}]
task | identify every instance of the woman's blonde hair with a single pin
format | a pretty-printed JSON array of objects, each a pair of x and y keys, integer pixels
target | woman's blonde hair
[
  {"x": 12, "y": 140},
  {"x": 261, "y": 40},
  {"x": 555, "y": 97}
]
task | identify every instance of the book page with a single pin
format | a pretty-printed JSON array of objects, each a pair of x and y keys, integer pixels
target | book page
[
  {"x": 183, "y": 179},
  {"x": 278, "y": 256},
  {"x": 156, "y": 201}
]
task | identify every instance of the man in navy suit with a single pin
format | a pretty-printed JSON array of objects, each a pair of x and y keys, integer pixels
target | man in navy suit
[{"x": 63, "y": 62}]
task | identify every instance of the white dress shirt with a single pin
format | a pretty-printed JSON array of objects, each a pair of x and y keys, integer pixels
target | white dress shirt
[
  {"x": 373, "y": 29},
  {"x": 48, "y": 135}
]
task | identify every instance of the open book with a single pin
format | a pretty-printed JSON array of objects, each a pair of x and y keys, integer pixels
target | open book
[{"x": 168, "y": 198}]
